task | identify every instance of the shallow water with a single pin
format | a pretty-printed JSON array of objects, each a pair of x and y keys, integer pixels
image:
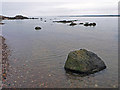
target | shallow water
[{"x": 37, "y": 57}]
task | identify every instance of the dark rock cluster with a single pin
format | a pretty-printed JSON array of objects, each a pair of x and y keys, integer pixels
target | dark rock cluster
[
  {"x": 65, "y": 21},
  {"x": 90, "y": 24}
]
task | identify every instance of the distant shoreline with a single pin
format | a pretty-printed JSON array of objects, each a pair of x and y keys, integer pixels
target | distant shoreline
[
  {"x": 92, "y": 16},
  {"x": 15, "y": 17}
]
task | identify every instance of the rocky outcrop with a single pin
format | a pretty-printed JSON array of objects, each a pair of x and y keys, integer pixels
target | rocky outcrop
[{"x": 84, "y": 62}]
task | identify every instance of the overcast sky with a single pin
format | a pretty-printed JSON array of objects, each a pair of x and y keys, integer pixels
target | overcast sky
[{"x": 58, "y": 7}]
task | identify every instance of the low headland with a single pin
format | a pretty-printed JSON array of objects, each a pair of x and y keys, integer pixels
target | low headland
[{"x": 15, "y": 17}]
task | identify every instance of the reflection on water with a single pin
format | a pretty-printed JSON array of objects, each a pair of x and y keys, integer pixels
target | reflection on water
[{"x": 37, "y": 57}]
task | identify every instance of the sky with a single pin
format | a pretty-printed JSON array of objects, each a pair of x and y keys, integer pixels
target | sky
[{"x": 58, "y": 7}]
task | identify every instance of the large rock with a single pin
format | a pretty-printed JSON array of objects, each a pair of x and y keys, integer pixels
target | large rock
[{"x": 84, "y": 62}]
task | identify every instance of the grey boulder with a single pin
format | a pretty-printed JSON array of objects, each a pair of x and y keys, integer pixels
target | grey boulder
[{"x": 84, "y": 62}]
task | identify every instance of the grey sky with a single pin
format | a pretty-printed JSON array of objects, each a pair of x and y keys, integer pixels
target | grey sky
[{"x": 59, "y": 7}]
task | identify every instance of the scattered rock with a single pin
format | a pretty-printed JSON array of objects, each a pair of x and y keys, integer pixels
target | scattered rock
[
  {"x": 41, "y": 19},
  {"x": 86, "y": 24},
  {"x": 94, "y": 24},
  {"x": 33, "y": 18},
  {"x": 4, "y": 61},
  {"x": 65, "y": 21},
  {"x": 81, "y": 23},
  {"x": 89, "y": 24},
  {"x": 49, "y": 75},
  {"x": 72, "y": 24},
  {"x": 37, "y": 28},
  {"x": 84, "y": 62},
  {"x": 96, "y": 85}
]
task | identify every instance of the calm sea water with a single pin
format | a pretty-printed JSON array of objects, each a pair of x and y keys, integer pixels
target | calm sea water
[{"x": 37, "y": 57}]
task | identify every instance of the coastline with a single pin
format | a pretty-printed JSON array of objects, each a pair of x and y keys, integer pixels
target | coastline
[{"x": 4, "y": 59}]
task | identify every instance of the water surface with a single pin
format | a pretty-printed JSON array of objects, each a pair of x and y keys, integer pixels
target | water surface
[{"x": 37, "y": 57}]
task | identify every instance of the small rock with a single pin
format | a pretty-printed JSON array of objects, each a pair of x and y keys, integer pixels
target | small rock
[
  {"x": 73, "y": 24},
  {"x": 41, "y": 19},
  {"x": 80, "y": 23},
  {"x": 37, "y": 28},
  {"x": 86, "y": 24},
  {"x": 114, "y": 86},
  {"x": 94, "y": 24},
  {"x": 96, "y": 85},
  {"x": 89, "y": 24},
  {"x": 49, "y": 75}
]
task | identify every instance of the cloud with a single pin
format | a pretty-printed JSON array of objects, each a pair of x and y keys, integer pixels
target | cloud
[
  {"x": 49, "y": 8},
  {"x": 87, "y": 1}
]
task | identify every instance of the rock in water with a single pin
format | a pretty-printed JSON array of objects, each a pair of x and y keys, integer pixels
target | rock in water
[
  {"x": 84, "y": 62},
  {"x": 37, "y": 28},
  {"x": 72, "y": 24}
]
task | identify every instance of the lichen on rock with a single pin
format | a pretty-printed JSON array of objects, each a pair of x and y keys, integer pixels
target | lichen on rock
[{"x": 84, "y": 62}]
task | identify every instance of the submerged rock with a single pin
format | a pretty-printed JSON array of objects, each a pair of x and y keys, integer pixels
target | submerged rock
[
  {"x": 84, "y": 62},
  {"x": 37, "y": 28}
]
